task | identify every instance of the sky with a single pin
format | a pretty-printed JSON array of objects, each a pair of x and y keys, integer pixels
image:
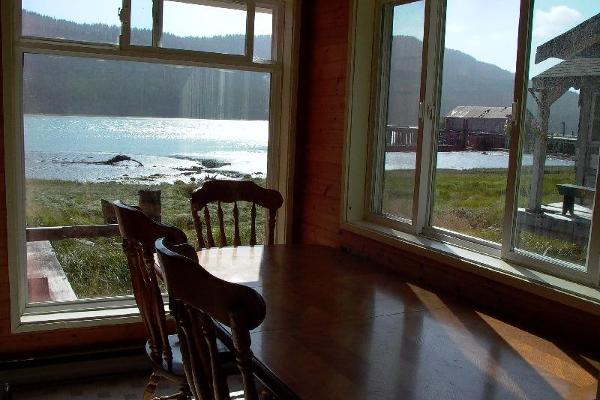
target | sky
[
  {"x": 488, "y": 29},
  {"x": 178, "y": 18},
  {"x": 484, "y": 29}
]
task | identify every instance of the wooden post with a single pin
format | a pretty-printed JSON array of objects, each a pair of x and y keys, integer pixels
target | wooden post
[
  {"x": 108, "y": 212},
  {"x": 539, "y": 157},
  {"x": 581, "y": 158},
  {"x": 149, "y": 202}
]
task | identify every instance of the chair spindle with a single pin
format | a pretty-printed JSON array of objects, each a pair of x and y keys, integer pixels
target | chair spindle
[
  {"x": 236, "y": 225},
  {"x": 253, "y": 225},
  {"x": 209, "y": 235},
  {"x": 198, "y": 227},
  {"x": 229, "y": 191},
  {"x": 271, "y": 231},
  {"x": 223, "y": 239}
]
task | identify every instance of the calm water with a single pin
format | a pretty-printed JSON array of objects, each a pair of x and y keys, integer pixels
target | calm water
[
  {"x": 462, "y": 160},
  {"x": 62, "y": 147},
  {"x": 66, "y": 147}
]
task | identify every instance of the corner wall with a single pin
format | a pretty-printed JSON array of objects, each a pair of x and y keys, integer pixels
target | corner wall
[
  {"x": 321, "y": 120},
  {"x": 320, "y": 135}
]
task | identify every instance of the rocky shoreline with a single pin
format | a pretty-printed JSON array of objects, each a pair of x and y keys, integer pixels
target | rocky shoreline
[{"x": 143, "y": 169}]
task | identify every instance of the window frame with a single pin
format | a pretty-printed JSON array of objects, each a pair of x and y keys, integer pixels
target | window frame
[
  {"x": 358, "y": 196},
  {"x": 282, "y": 69}
]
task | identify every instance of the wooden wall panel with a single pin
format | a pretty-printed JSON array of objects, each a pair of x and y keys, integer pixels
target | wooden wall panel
[{"x": 321, "y": 119}]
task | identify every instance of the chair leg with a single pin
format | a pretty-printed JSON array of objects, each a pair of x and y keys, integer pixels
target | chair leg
[
  {"x": 185, "y": 392},
  {"x": 266, "y": 395},
  {"x": 151, "y": 387}
]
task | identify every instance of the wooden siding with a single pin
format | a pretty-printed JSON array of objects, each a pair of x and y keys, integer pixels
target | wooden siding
[{"x": 321, "y": 121}]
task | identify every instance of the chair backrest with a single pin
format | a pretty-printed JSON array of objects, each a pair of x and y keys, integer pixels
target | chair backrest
[
  {"x": 198, "y": 300},
  {"x": 226, "y": 191},
  {"x": 139, "y": 233}
]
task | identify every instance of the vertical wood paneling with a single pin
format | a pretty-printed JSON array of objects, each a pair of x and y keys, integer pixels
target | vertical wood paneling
[{"x": 321, "y": 111}]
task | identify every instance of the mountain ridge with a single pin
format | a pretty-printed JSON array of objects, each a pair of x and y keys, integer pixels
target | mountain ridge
[
  {"x": 127, "y": 88},
  {"x": 466, "y": 81}
]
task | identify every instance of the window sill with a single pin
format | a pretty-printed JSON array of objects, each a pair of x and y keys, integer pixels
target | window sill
[
  {"x": 86, "y": 313},
  {"x": 547, "y": 286}
]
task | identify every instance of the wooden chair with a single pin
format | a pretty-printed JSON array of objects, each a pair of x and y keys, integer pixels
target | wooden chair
[
  {"x": 225, "y": 191},
  {"x": 198, "y": 301},
  {"x": 139, "y": 233}
]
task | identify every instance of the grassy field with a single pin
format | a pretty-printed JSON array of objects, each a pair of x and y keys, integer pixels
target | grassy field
[
  {"x": 96, "y": 266},
  {"x": 472, "y": 202},
  {"x": 469, "y": 202}
]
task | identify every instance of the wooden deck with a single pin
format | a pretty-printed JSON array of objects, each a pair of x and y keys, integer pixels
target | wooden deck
[
  {"x": 45, "y": 276},
  {"x": 553, "y": 224}
]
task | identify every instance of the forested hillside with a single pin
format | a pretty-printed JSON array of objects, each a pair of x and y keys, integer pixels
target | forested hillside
[
  {"x": 67, "y": 85},
  {"x": 466, "y": 82},
  {"x": 82, "y": 86}
]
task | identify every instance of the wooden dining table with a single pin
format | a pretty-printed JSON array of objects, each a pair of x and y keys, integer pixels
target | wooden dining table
[{"x": 341, "y": 327}]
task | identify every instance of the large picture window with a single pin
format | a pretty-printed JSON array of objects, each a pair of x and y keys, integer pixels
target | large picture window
[
  {"x": 482, "y": 128},
  {"x": 134, "y": 100}
]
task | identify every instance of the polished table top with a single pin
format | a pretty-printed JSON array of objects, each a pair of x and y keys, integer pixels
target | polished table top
[{"x": 341, "y": 327}]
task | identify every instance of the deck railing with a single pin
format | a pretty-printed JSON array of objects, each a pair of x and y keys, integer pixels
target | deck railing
[
  {"x": 149, "y": 202},
  {"x": 401, "y": 138}
]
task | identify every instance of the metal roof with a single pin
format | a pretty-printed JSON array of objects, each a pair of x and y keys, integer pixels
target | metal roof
[
  {"x": 572, "y": 68},
  {"x": 480, "y": 112},
  {"x": 572, "y": 43}
]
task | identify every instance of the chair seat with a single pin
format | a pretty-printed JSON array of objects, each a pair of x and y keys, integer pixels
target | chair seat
[{"x": 225, "y": 356}]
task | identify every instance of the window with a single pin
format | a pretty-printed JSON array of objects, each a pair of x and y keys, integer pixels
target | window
[
  {"x": 400, "y": 98},
  {"x": 133, "y": 100},
  {"x": 183, "y": 23},
  {"x": 478, "y": 128}
]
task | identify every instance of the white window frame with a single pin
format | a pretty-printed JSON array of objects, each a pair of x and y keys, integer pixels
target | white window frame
[
  {"x": 364, "y": 104},
  {"x": 282, "y": 69}
]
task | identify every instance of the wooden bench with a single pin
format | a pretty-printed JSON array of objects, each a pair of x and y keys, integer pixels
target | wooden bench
[{"x": 569, "y": 192}]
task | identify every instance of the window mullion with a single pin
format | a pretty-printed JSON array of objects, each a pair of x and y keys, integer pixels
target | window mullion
[
  {"x": 426, "y": 141},
  {"x": 277, "y": 32},
  {"x": 250, "y": 16},
  {"x": 125, "y": 17},
  {"x": 517, "y": 126},
  {"x": 593, "y": 265},
  {"x": 157, "y": 22},
  {"x": 383, "y": 52},
  {"x": 17, "y": 19}
]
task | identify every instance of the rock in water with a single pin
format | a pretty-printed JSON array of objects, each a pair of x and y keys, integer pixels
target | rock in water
[{"x": 120, "y": 158}]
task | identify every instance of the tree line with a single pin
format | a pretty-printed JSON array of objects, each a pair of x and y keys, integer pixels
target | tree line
[{"x": 88, "y": 86}]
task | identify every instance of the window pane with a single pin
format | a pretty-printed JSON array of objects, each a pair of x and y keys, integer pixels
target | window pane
[
  {"x": 402, "y": 116},
  {"x": 263, "y": 33},
  {"x": 82, "y": 20},
  {"x": 205, "y": 28},
  {"x": 103, "y": 129},
  {"x": 141, "y": 22},
  {"x": 562, "y": 133},
  {"x": 475, "y": 113}
]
